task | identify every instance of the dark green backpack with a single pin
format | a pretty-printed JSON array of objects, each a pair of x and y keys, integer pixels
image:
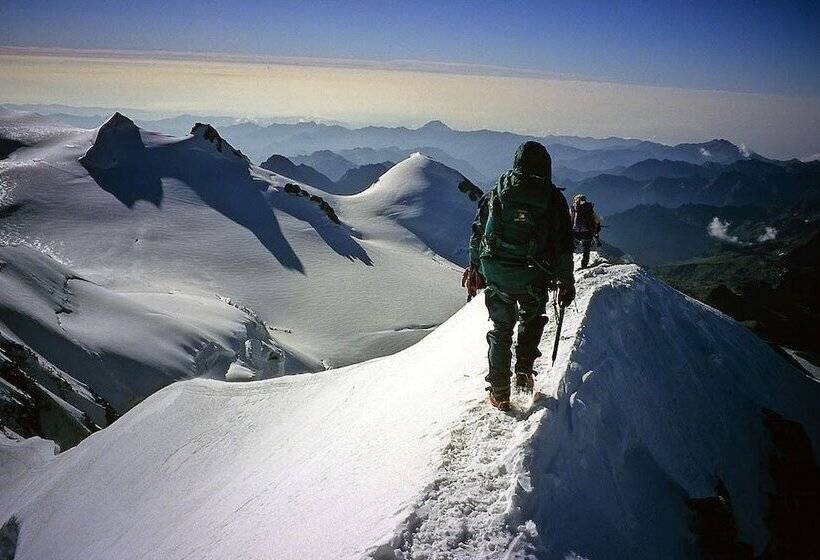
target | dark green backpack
[{"x": 518, "y": 219}]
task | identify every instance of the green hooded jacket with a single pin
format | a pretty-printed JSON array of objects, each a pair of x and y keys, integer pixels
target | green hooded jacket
[{"x": 524, "y": 195}]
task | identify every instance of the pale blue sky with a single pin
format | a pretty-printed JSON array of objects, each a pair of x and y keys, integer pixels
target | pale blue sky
[{"x": 731, "y": 45}]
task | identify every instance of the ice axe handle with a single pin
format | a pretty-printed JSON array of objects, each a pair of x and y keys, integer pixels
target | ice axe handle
[{"x": 558, "y": 333}]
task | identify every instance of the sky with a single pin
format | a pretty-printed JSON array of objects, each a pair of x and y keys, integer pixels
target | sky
[{"x": 672, "y": 71}]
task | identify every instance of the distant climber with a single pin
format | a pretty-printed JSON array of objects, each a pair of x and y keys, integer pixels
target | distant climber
[
  {"x": 521, "y": 246},
  {"x": 586, "y": 226}
]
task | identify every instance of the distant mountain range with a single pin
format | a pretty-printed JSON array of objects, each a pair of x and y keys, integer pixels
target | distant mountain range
[
  {"x": 487, "y": 153},
  {"x": 301, "y": 172},
  {"x": 657, "y": 201},
  {"x": 330, "y": 164},
  {"x": 481, "y": 155},
  {"x": 354, "y": 180},
  {"x": 672, "y": 183},
  {"x": 652, "y": 234}
]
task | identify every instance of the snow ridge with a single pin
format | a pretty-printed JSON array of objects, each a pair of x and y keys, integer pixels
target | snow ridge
[
  {"x": 475, "y": 507},
  {"x": 597, "y": 465},
  {"x": 209, "y": 133},
  {"x": 176, "y": 213}
]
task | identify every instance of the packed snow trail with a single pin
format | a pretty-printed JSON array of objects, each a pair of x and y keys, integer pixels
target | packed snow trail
[
  {"x": 472, "y": 509},
  {"x": 652, "y": 397}
]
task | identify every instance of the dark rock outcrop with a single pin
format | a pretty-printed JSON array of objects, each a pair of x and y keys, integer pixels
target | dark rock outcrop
[
  {"x": 210, "y": 134},
  {"x": 296, "y": 190}
]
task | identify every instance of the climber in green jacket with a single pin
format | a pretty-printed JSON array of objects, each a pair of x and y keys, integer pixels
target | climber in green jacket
[{"x": 521, "y": 246}]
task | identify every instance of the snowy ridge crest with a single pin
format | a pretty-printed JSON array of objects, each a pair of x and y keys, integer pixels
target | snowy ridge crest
[{"x": 655, "y": 402}]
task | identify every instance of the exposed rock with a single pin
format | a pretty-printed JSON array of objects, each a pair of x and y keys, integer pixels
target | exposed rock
[
  {"x": 209, "y": 133},
  {"x": 116, "y": 140},
  {"x": 8, "y": 146},
  {"x": 28, "y": 409},
  {"x": 296, "y": 190}
]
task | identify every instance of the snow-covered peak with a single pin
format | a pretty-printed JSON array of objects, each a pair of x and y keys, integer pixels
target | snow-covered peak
[
  {"x": 417, "y": 175},
  {"x": 176, "y": 213},
  {"x": 116, "y": 139},
  {"x": 423, "y": 195}
]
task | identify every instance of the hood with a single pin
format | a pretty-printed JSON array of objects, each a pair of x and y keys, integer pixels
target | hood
[{"x": 532, "y": 158}]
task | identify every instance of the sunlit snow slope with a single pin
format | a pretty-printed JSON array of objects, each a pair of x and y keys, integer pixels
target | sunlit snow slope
[
  {"x": 134, "y": 210},
  {"x": 126, "y": 346},
  {"x": 404, "y": 195},
  {"x": 653, "y": 398}
]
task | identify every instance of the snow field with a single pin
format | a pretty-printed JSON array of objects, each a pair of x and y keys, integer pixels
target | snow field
[{"x": 138, "y": 211}]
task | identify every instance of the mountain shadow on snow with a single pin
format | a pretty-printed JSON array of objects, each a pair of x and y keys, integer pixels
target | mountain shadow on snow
[
  {"x": 122, "y": 164},
  {"x": 9, "y": 533},
  {"x": 8, "y": 146}
]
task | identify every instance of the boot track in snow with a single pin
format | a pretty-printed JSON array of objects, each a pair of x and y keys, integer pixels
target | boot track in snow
[{"x": 471, "y": 510}]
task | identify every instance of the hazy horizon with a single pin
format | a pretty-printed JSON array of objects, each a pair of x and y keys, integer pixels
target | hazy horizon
[
  {"x": 665, "y": 72},
  {"x": 774, "y": 125}
]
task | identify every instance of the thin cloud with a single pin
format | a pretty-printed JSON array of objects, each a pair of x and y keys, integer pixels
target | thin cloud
[
  {"x": 406, "y": 65},
  {"x": 719, "y": 229},
  {"x": 768, "y": 235},
  {"x": 404, "y": 92}
]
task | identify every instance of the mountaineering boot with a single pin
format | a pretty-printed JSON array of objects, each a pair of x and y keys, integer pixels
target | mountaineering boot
[
  {"x": 524, "y": 381},
  {"x": 499, "y": 397},
  {"x": 501, "y": 404}
]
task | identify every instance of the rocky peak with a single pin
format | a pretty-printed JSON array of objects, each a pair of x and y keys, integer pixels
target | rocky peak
[{"x": 209, "y": 133}]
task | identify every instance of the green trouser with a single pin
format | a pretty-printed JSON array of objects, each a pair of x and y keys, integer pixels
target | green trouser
[
  {"x": 530, "y": 311},
  {"x": 585, "y": 237}
]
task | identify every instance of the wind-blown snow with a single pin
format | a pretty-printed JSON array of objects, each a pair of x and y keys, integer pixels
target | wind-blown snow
[
  {"x": 662, "y": 396},
  {"x": 311, "y": 466},
  {"x": 652, "y": 397},
  {"x": 18, "y": 457}
]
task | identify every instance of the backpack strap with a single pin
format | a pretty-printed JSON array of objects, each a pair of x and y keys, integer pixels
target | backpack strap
[{"x": 493, "y": 241}]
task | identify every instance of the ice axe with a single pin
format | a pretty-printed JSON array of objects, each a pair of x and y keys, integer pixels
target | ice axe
[{"x": 558, "y": 332}]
